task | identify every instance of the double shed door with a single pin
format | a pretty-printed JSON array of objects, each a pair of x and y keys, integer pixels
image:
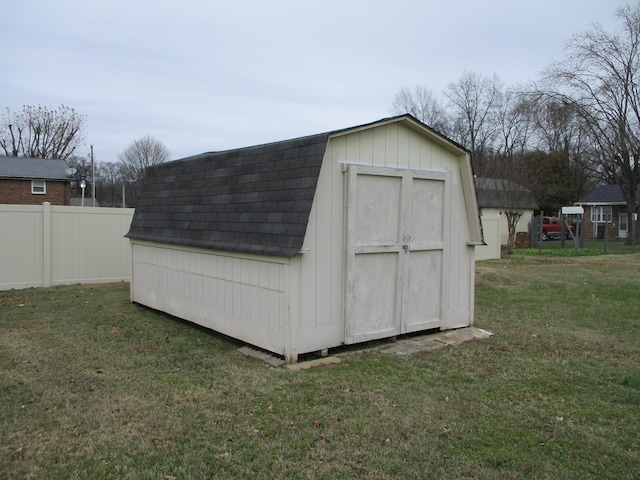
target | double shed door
[{"x": 395, "y": 251}]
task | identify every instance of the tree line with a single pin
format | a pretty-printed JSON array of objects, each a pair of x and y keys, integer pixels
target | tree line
[
  {"x": 118, "y": 184},
  {"x": 59, "y": 133},
  {"x": 577, "y": 126},
  {"x": 574, "y": 128}
]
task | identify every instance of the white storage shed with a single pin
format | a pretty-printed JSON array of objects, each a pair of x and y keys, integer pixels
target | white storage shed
[{"x": 311, "y": 243}]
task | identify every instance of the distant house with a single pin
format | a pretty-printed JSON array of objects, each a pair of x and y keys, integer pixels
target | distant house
[
  {"x": 495, "y": 196},
  {"x": 605, "y": 207},
  {"x": 32, "y": 181},
  {"x": 310, "y": 243}
]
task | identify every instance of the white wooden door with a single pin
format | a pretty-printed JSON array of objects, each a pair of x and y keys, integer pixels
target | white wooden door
[
  {"x": 623, "y": 225},
  {"x": 395, "y": 252}
]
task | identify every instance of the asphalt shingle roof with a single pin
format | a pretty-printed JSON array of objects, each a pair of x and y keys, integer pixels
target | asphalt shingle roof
[
  {"x": 33, "y": 168},
  {"x": 501, "y": 193},
  {"x": 606, "y": 194},
  {"x": 250, "y": 200}
]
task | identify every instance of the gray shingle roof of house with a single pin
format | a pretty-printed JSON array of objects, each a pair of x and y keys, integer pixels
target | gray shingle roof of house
[
  {"x": 606, "y": 194},
  {"x": 501, "y": 193},
  {"x": 33, "y": 168},
  {"x": 251, "y": 200}
]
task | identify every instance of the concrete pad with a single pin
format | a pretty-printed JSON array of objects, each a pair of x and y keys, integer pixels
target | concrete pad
[
  {"x": 400, "y": 349},
  {"x": 261, "y": 355},
  {"x": 319, "y": 362},
  {"x": 434, "y": 341},
  {"x": 409, "y": 347},
  {"x": 403, "y": 346},
  {"x": 454, "y": 337},
  {"x": 481, "y": 333}
]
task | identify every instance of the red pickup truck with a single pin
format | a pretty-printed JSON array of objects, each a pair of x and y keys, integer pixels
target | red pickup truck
[{"x": 552, "y": 228}]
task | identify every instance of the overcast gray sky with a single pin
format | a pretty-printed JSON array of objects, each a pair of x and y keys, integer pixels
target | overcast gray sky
[{"x": 210, "y": 75}]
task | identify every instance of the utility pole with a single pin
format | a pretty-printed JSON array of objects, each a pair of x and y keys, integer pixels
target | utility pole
[{"x": 93, "y": 180}]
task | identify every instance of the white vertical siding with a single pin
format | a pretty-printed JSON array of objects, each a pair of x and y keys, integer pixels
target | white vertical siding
[
  {"x": 294, "y": 306},
  {"x": 491, "y": 228},
  {"x": 322, "y": 265},
  {"x": 461, "y": 264},
  {"x": 21, "y": 246},
  {"x": 392, "y": 145},
  {"x": 43, "y": 245},
  {"x": 89, "y": 243},
  {"x": 397, "y": 146},
  {"x": 322, "y": 288},
  {"x": 496, "y": 232},
  {"x": 241, "y": 296}
]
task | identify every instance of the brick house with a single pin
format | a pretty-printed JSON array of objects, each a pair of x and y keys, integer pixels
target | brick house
[
  {"x": 32, "y": 181},
  {"x": 605, "y": 207}
]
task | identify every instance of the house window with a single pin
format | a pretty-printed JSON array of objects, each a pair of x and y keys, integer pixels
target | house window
[
  {"x": 38, "y": 187},
  {"x": 600, "y": 214}
]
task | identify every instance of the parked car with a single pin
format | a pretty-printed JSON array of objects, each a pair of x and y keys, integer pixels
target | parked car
[{"x": 552, "y": 229}]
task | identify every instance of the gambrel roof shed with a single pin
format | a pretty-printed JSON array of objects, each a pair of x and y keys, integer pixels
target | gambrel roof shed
[
  {"x": 250, "y": 200},
  {"x": 310, "y": 243}
]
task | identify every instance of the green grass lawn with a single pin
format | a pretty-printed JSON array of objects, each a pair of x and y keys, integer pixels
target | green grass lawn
[{"x": 92, "y": 386}]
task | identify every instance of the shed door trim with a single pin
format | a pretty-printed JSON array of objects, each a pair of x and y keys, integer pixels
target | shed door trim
[{"x": 388, "y": 246}]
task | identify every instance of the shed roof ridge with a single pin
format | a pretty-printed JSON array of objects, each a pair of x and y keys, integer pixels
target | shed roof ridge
[{"x": 251, "y": 147}]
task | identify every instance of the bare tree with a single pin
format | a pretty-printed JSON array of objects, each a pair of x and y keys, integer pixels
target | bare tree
[
  {"x": 41, "y": 132},
  {"x": 142, "y": 153},
  {"x": 513, "y": 126},
  {"x": 555, "y": 124},
  {"x": 109, "y": 183},
  {"x": 510, "y": 197},
  {"x": 422, "y": 104},
  {"x": 599, "y": 78},
  {"x": 475, "y": 101},
  {"x": 558, "y": 128}
]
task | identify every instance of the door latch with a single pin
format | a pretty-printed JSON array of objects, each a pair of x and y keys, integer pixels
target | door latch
[{"x": 406, "y": 238}]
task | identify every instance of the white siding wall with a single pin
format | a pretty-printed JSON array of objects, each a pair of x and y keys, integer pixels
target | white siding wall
[
  {"x": 496, "y": 232},
  {"x": 44, "y": 245},
  {"x": 322, "y": 288},
  {"x": 322, "y": 264},
  {"x": 294, "y": 306},
  {"x": 243, "y": 296},
  {"x": 521, "y": 226},
  {"x": 461, "y": 267},
  {"x": 492, "y": 229},
  {"x": 396, "y": 145},
  {"x": 21, "y": 246}
]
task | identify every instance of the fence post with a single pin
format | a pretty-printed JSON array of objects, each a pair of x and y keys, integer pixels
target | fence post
[
  {"x": 46, "y": 244},
  {"x": 634, "y": 219}
]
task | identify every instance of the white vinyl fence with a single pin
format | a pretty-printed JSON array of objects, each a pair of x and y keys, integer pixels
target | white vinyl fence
[
  {"x": 491, "y": 229},
  {"x": 45, "y": 245}
]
